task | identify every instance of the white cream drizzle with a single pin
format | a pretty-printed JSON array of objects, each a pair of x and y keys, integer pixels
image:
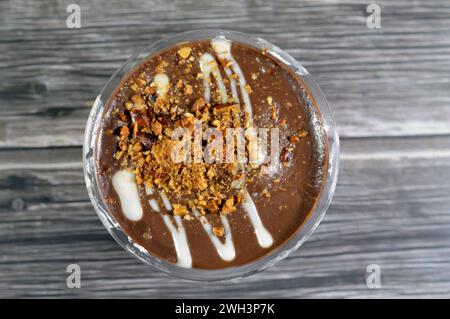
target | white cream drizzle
[
  {"x": 264, "y": 237},
  {"x": 166, "y": 201},
  {"x": 162, "y": 83},
  {"x": 234, "y": 92},
  {"x": 124, "y": 183},
  {"x": 148, "y": 189},
  {"x": 209, "y": 65},
  {"x": 226, "y": 249},
  {"x": 184, "y": 258},
  {"x": 154, "y": 205},
  {"x": 222, "y": 47}
]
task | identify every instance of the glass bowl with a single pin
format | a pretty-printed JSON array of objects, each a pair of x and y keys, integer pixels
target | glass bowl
[{"x": 277, "y": 254}]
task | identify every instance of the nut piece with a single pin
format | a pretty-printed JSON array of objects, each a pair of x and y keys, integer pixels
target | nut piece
[
  {"x": 294, "y": 139},
  {"x": 184, "y": 52},
  {"x": 212, "y": 206},
  {"x": 218, "y": 231},
  {"x": 199, "y": 105},
  {"x": 124, "y": 132},
  {"x": 285, "y": 155},
  {"x": 188, "y": 90},
  {"x": 229, "y": 207},
  {"x": 180, "y": 210},
  {"x": 265, "y": 193},
  {"x": 157, "y": 128}
]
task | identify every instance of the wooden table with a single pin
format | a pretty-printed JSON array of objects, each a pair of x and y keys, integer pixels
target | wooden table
[{"x": 390, "y": 92}]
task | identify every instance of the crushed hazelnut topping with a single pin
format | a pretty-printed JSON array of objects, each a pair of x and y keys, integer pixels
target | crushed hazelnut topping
[
  {"x": 188, "y": 90},
  {"x": 265, "y": 193},
  {"x": 229, "y": 207},
  {"x": 124, "y": 132},
  {"x": 145, "y": 145},
  {"x": 157, "y": 128},
  {"x": 302, "y": 133},
  {"x": 274, "y": 112},
  {"x": 184, "y": 52},
  {"x": 218, "y": 231},
  {"x": 180, "y": 210},
  {"x": 297, "y": 136},
  {"x": 160, "y": 68}
]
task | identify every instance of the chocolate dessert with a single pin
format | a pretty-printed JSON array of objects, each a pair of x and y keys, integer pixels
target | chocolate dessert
[{"x": 211, "y": 154}]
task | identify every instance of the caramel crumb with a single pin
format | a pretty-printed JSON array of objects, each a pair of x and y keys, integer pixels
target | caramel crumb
[
  {"x": 274, "y": 112},
  {"x": 160, "y": 68},
  {"x": 285, "y": 155},
  {"x": 118, "y": 155},
  {"x": 212, "y": 206},
  {"x": 157, "y": 128},
  {"x": 265, "y": 193},
  {"x": 211, "y": 173},
  {"x": 294, "y": 139},
  {"x": 229, "y": 207},
  {"x": 218, "y": 231},
  {"x": 180, "y": 210},
  {"x": 124, "y": 132},
  {"x": 184, "y": 52},
  {"x": 128, "y": 105},
  {"x": 297, "y": 136},
  {"x": 188, "y": 89}
]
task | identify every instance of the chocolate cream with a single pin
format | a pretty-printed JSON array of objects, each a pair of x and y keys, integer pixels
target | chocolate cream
[{"x": 171, "y": 220}]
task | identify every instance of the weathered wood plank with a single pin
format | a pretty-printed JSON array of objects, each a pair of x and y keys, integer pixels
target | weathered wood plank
[
  {"x": 392, "y": 81},
  {"x": 391, "y": 208}
]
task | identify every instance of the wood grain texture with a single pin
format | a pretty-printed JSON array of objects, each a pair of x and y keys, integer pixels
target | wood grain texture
[
  {"x": 374, "y": 78},
  {"x": 390, "y": 92}
]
